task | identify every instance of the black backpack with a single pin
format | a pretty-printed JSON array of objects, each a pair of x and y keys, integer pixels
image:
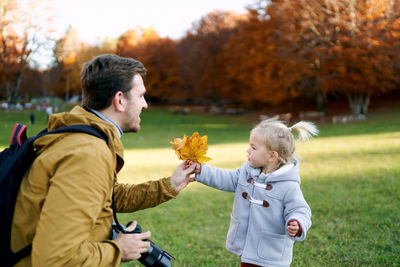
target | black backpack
[{"x": 14, "y": 162}]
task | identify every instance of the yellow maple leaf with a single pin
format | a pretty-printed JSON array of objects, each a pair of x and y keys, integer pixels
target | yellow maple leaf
[{"x": 193, "y": 148}]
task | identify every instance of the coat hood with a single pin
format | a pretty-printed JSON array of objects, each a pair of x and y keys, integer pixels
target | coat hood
[{"x": 288, "y": 172}]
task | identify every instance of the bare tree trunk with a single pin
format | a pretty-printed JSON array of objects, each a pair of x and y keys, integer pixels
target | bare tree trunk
[
  {"x": 365, "y": 104},
  {"x": 14, "y": 94},
  {"x": 320, "y": 99},
  {"x": 8, "y": 91},
  {"x": 353, "y": 104},
  {"x": 67, "y": 89},
  {"x": 358, "y": 103}
]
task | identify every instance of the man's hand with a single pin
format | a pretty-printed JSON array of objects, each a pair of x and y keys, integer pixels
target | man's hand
[
  {"x": 181, "y": 176},
  {"x": 132, "y": 245}
]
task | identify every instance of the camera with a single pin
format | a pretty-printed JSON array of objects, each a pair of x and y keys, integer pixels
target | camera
[{"x": 155, "y": 256}]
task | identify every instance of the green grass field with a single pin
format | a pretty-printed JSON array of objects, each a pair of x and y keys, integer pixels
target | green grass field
[{"x": 350, "y": 178}]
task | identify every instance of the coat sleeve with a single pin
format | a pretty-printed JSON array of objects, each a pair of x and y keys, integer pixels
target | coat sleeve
[
  {"x": 221, "y": 179},
  {"x": 131, "y": 197},
  {"x": 81, "y": 180},
  {"x": 296, "y": 208}
]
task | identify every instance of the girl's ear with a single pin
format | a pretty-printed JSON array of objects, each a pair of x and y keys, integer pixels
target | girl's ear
[
  {"x": 273, "y": 156},
  {"x": 118, "y": 101}
]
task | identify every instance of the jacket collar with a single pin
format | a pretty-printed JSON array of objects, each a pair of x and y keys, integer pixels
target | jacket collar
[
  {"x": 105, "y": 118},
  {"x": 79, "y": 115}
]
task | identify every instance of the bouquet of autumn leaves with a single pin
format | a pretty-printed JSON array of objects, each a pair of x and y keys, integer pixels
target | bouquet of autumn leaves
[{"x": 191, "y": 148}]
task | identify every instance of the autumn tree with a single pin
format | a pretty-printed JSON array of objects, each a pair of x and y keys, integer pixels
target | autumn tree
[
  {"x": 22, "y": 33},
  {"x": 256, "y": 73},
  {"x": 365, "y": 61},
  {"x": 346, "y": 47},
  {"x": 32, "y": 84},
  {"x": 66, "y": 56},
  {"x": 200, "y": 53},
  {"x": 160, "y": 59},
  {"x": 70, "y": 55}
]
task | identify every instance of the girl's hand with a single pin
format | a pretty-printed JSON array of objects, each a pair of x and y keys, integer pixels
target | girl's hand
[
  {"x": 293, "y": 228},
  {"x": 197, "y": 169}
]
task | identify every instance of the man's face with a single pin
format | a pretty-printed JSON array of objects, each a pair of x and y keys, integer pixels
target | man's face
[{"x": 135, "y": 102}]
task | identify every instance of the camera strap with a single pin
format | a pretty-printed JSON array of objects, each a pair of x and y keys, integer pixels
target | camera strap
[{"x": 117, "y": 225}]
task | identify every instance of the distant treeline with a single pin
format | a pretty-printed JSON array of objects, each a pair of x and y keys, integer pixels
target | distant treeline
[{"x": 277, "y": 51}]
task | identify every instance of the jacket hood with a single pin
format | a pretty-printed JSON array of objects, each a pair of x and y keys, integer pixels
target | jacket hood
[
  {"x": 79, "y": 115},
  {"x": 288, "y": 172}
]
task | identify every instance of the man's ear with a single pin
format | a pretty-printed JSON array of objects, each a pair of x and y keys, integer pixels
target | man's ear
[{"x": 119, "y": 101}]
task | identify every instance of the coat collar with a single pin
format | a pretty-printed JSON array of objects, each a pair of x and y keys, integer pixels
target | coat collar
[
  {"x": 288, "y": 172},
  {"x": 79, "y": 115}
]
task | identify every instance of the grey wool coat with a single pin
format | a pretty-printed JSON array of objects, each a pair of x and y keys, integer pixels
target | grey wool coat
[{"x": 263, "y": 206}]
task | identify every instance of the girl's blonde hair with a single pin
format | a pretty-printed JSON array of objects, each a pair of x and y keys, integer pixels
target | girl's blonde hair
[{"x": 278, "y": 137}]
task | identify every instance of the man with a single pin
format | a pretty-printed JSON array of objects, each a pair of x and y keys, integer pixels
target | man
[{"x": 64, "y": 204}]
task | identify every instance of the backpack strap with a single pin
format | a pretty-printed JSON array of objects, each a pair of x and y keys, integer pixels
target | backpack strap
[
  {"x": 13, "y": 258},
  {"x": 18, "y": 134},
  {"x": 78, "y": 128}
]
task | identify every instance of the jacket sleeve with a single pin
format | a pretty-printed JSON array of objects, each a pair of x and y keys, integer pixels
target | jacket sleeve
[
  {"x": 131, "y": 197},
  {"x": 79, "y": 185},
  {"x": 221, "y": 179},
  {"x": 296, "y": 208}
]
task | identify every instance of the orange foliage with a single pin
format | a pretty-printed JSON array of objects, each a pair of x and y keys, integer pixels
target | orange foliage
[
  {"x": 334, "y": 46},
  {"x": 277, "y": 51},
  {"x": 71, "y": 54},
  {"x": 191, "y": 148},
  {"x": 160, "y": 59},
  {"x": 257, "y": 71},
  {"x": 204, "y": 58}
]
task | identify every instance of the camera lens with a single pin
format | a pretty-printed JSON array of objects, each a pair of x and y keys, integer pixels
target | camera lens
[{"x": 155, "y": 256}]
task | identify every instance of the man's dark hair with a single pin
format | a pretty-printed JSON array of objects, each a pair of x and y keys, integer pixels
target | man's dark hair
[{"x": 104, "y": 76}]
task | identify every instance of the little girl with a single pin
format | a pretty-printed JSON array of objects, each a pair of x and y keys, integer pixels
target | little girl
[{"x": 269, "y": 211}]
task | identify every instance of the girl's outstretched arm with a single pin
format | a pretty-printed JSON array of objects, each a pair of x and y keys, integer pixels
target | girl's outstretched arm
[{"x": 221, "y": 179}]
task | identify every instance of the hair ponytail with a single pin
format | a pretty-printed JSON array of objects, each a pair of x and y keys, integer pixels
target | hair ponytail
[
  {"x": 305, "y": 129},
  {"x": 278, "y": 137}
]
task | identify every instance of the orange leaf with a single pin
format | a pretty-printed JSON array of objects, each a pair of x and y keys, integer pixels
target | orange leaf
[{"x": 193, "y": 148}]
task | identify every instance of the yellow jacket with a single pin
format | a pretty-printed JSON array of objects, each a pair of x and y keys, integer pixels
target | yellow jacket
[{"x": 64, "y": 204}]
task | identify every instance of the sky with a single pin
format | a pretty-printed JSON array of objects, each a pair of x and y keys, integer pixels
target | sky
[{"x": 98, "y": 19}]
